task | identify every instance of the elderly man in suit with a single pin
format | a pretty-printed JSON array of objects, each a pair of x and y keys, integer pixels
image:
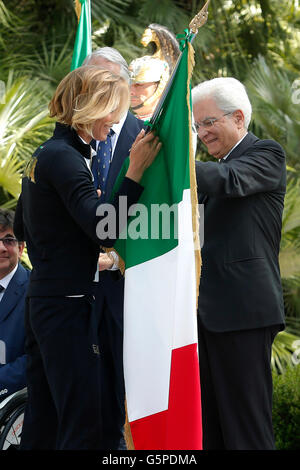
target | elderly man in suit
[
  {"x": 110, "y": 290},
  {"x": 13, "y": 287},
  {"x": 240, "y": 297}
]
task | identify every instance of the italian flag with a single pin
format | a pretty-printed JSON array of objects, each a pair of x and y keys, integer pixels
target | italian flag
[{"x": 162, "y": 267}]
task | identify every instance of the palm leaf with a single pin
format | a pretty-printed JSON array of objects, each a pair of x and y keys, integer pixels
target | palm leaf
[
  {"x": 291, "y": 213},
  {"x": 282, "y": 351},
  {"x": 291, "y": 294},
  {"x": 9, "y": 204},
  {"x": 112, "y": 9},
  {"x": 4, "y": 15},
  {"x": 10, "y": 174},
  {"x": 25, "y": 259},
  {"x": 23, "y": 116},
  {"x": 22, "y": 100},
  {"x": 273, "y": 109},
  {"x": 289, "y": 256},
  {"x": 165, "y": 12},
  {"x": 53, "y": 60}
]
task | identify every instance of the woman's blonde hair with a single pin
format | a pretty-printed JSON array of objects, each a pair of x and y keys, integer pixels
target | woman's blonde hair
[{"x": 87, "y": 94}]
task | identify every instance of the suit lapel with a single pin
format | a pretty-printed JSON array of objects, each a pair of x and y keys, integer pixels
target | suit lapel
[
  {"x": 129, "y": 131},
  {"x": 13, "y": 292},
  {"x": 248, "y": 140}
]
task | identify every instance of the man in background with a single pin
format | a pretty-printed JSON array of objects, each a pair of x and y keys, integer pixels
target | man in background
[
  {"x": 149, "y": 76},
  {"x": 13, "y": 287},
  {"x": 106, "y": 166}
]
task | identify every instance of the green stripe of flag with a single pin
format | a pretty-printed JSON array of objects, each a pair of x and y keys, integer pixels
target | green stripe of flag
[{"x": 83, "y": 41}]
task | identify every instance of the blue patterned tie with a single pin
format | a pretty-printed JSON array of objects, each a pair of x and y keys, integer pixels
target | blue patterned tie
[{"x": 101, "y": 162}]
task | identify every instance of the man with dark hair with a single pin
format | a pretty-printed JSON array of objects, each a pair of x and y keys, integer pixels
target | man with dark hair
[{"x": 13, "y": 287}]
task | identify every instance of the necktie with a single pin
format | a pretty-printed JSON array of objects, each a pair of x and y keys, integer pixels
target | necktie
[
  {"x": 1, "y": 288},
  {"x": 101, "y": 163}
]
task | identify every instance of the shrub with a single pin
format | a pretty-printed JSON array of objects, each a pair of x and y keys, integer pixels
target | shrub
[{"x": 286, "y": 409}]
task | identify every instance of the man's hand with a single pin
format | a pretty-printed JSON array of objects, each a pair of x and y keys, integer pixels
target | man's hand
[{"x": 143, "y": 152}]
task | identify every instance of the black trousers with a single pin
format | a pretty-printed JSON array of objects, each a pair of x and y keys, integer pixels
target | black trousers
[
  {"x": 110, "y": 332},
  {"x": 63, "y": 374},
  {"x": 236, "y": 388}
]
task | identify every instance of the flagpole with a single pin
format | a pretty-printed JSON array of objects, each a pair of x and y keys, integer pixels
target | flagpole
[{"x": 197, "y": 22}]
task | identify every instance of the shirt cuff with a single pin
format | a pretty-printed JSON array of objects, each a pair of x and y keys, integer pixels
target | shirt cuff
[{"x": 115, "y": 256}]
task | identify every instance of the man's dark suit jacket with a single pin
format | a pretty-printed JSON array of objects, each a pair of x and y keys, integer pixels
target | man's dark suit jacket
[
  {"x": 130, "y": 129},
  {"x": 240, "y": 286},
  {"x": 12, "y": 334}
]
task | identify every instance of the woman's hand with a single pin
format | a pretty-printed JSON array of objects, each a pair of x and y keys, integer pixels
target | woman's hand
[
  {"x": 105, "y": 261},
  {"x": 142, "y": 154}
]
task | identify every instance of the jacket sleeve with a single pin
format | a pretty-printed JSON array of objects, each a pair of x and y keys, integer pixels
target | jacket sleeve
[
  {"x": 259, "y": 169},
  {"x": 72, "y": 180},
  {"x": 13, "y": 376}
]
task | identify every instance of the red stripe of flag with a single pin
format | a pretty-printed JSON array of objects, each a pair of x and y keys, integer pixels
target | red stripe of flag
[{"x": 179, "y": 427}]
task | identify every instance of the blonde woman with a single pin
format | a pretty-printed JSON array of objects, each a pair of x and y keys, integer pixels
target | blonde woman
[{"x": 56, "y": 216}]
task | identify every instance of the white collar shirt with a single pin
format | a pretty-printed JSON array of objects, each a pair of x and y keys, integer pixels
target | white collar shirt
[
  {"x": 117, "y": 131},
  {"x": 224, "y": 158},
  {"x": 6, "y": 280}
]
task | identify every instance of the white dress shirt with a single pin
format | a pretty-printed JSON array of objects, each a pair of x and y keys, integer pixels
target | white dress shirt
[
  {"x": 117, "y": 131},
  {"x": 6, "y": 280},
  {"x": 224, "y": 158}
]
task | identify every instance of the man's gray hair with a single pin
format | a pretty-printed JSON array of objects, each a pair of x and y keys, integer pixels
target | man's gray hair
[
  {"x": 111, "y": 54},
  {"x": 228, "y": 93}
]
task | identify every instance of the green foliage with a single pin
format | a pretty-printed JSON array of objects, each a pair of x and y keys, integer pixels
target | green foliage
[
  {"x": 167, "y": 12},
  {"x": 49, "y": 62},
  {"x": 286, "y": 409},
  {"x": 274, "y": 110},
  {"x": 290, "y": 241},
  {"x": 276, "y": 116},
  {"x": 283, "y": 349},
  {"x": 291, "y": 294},
  {"x": 108, "y": 9},
  {"x": 23, "y": 123}
]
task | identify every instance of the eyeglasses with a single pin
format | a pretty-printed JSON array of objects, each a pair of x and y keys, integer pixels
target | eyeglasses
[
  {"x": 207, "y": 123},
  {"x": 9, "y": 242}
]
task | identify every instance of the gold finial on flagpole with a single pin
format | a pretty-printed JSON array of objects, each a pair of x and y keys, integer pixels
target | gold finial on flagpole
[
  {"x": 200, "y": 19},
  {"x": 78, "y": 9}
]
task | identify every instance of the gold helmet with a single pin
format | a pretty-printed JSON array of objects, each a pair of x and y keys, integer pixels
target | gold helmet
[
  {"x": 159, "y": 66},
  {"x": 150, "y": 69},
  {"x": 163, "y": 41}
]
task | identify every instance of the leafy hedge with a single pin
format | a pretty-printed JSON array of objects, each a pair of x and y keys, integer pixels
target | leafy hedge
[{"x": 286, "y": 409}]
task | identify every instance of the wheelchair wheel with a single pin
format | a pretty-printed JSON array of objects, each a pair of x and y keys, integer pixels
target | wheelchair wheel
[
  {"x": 11, "y": 435},
  {"x": 11, "y": 420}
]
